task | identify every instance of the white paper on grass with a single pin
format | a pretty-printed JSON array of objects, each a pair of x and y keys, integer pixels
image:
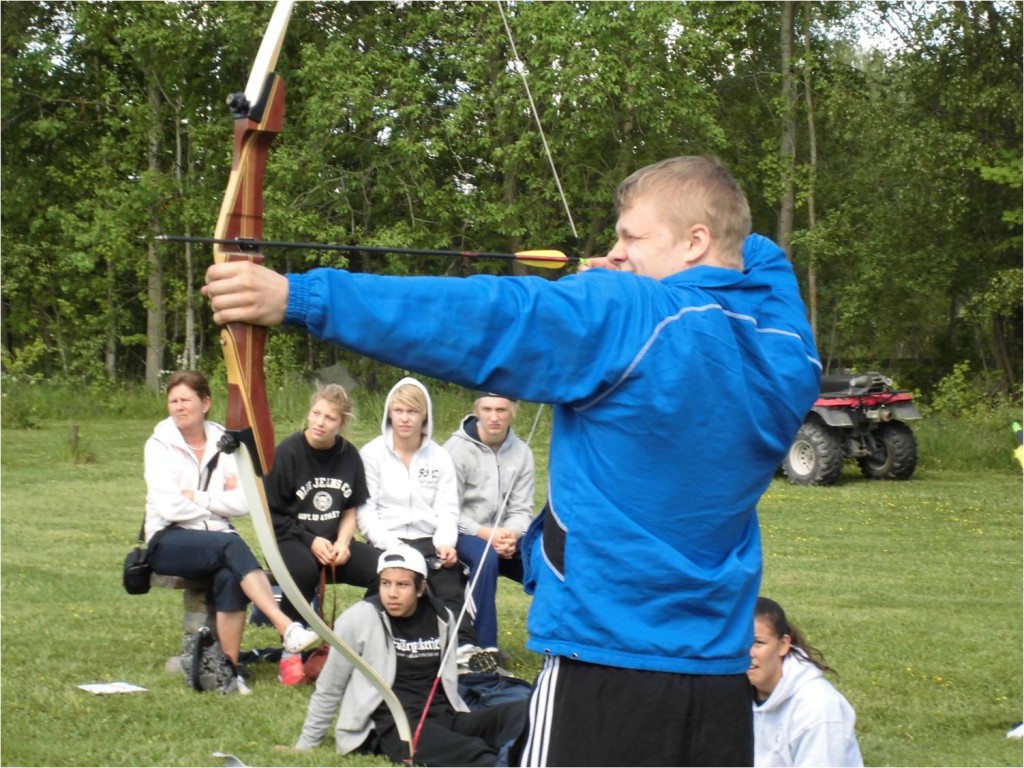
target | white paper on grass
[{"x": 120, "y": 687}]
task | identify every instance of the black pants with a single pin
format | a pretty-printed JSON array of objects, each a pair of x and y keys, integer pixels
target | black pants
[
  {"x": 458, "y": 738},
  {"x": 592, "y": 715},
  {"x": 359, "y": 571}
]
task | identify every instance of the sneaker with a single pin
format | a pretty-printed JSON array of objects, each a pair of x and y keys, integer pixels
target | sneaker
[
  {"x": 241, "y": 687},
  {"x": 297, "y": 638},
  {"x": 290, "y": 670},
  {"x": 471, "y": 658},
  {"x": 464, "y": 652},
  {"x": 501, "y": 657}
]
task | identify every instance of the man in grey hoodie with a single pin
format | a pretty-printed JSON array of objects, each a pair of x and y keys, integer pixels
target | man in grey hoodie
[
  {"x": 403, "y": 633},
  {"x": 495, "y": 473}
]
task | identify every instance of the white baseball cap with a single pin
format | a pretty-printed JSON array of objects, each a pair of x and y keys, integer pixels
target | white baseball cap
[{"x": 402, "y": 556}]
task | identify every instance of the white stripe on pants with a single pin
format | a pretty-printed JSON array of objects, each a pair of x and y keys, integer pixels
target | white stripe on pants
[{"x": 541, "y": 706}]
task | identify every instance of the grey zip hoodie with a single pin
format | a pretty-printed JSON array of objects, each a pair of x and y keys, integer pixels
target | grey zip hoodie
[
  {"x": 485, "y": 476},
  {"x": 366, "y": 628}
]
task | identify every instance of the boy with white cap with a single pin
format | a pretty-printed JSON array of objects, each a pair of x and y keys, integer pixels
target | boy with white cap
[{"x": 402, "y": 632}]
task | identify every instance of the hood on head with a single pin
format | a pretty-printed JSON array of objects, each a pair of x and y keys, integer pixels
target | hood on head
[{"x": 428, "y": 425}]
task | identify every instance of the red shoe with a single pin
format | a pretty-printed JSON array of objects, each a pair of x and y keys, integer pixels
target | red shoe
[{"x": 290, "y": 671}]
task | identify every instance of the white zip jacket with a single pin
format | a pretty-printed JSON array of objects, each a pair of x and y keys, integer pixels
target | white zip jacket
[
  {"x": 416, "y": 502},
  {"x": 170, "y": 468},
  {"x": 805, "y": 721}
]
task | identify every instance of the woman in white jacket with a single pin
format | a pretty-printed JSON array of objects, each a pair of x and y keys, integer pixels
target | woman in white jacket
[
  {"x": 414, "y": 496},
  {"x": 192, "y": 495},
  {"x": 799, "y": 718}
]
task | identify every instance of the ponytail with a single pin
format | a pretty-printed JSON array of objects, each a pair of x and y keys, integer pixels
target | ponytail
[{"x": 771, "y": 613}]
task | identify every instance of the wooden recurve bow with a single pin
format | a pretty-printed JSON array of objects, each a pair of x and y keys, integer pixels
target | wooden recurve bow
[{"x": 259, "y": 115}]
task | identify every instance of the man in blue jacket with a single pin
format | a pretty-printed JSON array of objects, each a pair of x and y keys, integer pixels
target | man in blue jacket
[{"x": 678, "y": 380}]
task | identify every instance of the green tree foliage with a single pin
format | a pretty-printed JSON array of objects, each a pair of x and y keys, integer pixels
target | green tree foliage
[
  {"x": 920, "y": 148},
  {"x": 408, "y": 124}
]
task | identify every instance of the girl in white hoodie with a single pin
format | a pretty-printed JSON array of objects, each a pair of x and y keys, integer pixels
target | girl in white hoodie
[
  {"x": 414, "y": 496},
  {"x": 799, "y": 718}
]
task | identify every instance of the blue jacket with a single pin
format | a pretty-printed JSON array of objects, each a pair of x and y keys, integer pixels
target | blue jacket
[{"x": 675, "y": 401}]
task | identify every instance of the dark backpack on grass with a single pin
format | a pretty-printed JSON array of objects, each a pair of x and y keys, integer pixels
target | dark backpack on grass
[{"x": 205, "y": 666}]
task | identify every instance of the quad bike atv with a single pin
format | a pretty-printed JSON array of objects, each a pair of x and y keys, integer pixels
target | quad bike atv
[{"x": 857, "y": 416}]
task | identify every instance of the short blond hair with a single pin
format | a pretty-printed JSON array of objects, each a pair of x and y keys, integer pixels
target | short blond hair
[
  {"x": 694, "y": 190},
  {"x": 413, "y": 397}
]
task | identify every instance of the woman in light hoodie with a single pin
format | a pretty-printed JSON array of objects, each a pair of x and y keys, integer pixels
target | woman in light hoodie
[
  {"x": 414, "y": 496},
  {"x": 799, "y": 718},
  {"x": 193, "y": 496}
]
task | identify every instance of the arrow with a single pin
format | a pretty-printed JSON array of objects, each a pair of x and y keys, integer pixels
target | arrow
[{"x": 544, "y": 259}]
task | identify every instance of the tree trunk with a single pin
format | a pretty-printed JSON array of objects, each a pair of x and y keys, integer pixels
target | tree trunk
[
  {"x": 1007, "y": 382},
  {"x": 189, "y": 350},
  {"x": 812, "y": 150},
  {"x": 787, "y": 144},
  {"x": 155, "y": 313},
  {"x": 110, "y": 345},
  {"x": 515, "y": 243}
]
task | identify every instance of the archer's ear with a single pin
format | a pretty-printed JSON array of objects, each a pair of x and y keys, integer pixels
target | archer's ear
[{"x": 700, "y": 245}]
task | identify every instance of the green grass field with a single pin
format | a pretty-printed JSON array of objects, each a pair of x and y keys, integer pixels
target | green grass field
[{"x": 912, "y": 590}]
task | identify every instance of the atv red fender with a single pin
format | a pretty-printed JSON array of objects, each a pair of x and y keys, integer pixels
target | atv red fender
[{"x": 858, "y": 416}]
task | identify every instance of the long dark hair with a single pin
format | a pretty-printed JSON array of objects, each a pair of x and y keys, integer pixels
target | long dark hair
[{"x": 771, "y": 613}]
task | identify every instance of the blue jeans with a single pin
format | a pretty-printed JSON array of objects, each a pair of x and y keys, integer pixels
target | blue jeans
[
  {"x": 471, "y": 551},
  {"x": 223, "y": 558}
]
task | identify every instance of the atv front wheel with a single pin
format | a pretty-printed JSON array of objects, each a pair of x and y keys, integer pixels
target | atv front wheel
[
  {"x": 897, "y": 457},
  {"x": 816, "y": 456}
]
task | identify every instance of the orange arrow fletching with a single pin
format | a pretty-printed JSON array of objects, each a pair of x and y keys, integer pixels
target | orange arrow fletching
[{"x": 543, "y": 259}]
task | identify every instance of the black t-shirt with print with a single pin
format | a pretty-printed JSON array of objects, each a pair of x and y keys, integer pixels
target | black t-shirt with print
[
  {"x": 309, "y": 488},
  {"x": 418, "y": 650}
]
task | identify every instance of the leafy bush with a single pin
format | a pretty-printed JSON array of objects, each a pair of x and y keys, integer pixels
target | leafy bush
[
  {"x": 21, "y": 407},
  {"x": 985, "y": 442},
  {"x": 964, "y": 426},
  {"x": 973, "y": 397}
]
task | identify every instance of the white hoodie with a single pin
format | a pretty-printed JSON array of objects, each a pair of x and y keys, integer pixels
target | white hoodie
[
  {"x": 805, "y": 721},
  {"x": 415, "y": 502}
]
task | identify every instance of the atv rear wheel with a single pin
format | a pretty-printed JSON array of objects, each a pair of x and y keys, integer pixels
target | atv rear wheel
[
  {"x": 898, "y": 453},
  {"x": 815, "y": 457}
]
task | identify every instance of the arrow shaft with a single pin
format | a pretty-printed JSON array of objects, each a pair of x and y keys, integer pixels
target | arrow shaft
[{"x": 545, "y": 258}]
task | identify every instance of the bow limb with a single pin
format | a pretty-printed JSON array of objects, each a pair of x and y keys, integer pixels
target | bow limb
[
  {"x": 259, "y": 115},
  {"x": 264, "y": 527}
]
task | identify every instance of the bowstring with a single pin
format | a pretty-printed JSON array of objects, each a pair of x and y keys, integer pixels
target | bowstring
[
  {"x": 490, "y": 538},
  {"x": 453, "y": 643},
  {"x": 521, "y": 69},
  {"x": 453, "y": 636}
]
